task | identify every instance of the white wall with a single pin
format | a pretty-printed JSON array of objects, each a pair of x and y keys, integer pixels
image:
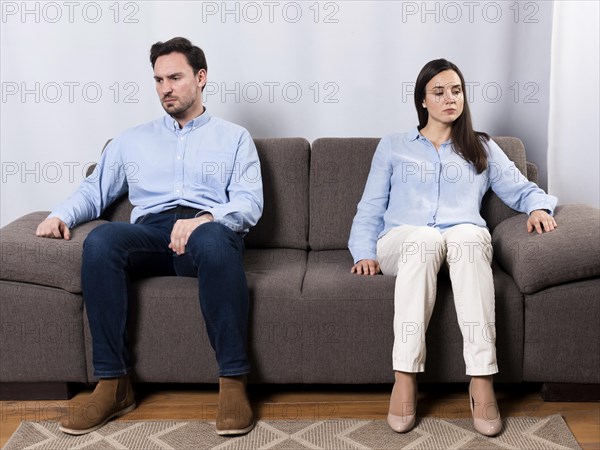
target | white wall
[
  {"x": 76, "y": 73},
  {"x": 574, "y": 137}
]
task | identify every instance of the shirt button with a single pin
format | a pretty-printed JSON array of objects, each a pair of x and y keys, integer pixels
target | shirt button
[
  {"x": 179, "y": 157},
  {"x": 177, "y": 191},
  {"x": 181, "y": 138}
]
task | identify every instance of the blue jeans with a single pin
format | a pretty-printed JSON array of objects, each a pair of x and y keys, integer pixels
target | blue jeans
[{"x": 114, "y": 253}]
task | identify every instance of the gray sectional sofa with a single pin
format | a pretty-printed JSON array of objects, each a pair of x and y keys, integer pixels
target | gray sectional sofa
[{"x": 312, "y": 321}]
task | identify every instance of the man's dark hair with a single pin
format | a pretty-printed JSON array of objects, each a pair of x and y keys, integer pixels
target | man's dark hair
[{"x": 194, "y": 55}]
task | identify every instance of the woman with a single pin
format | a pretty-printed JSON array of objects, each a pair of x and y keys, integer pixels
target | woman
[{"x": 420, "y": 208}]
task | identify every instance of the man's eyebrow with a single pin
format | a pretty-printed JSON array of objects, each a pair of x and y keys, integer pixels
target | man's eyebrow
[{"x": 171, "y": 75}]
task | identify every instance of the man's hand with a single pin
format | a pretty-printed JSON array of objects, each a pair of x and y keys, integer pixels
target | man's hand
[
  {"x": 183, "y": 229},
  {"x": 366, "y": 267},
  {"x": 541, "y": 221},
  {"x": 53, "y": 227}
]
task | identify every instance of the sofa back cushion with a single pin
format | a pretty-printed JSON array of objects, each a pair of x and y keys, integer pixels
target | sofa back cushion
[
  {"x": 493, "y": 210},
  {"x": 284, "y": 223},
  {"x": 339, "y": 169},
  {"x": 338, "y": 172},
  {"x": 118, "y": 211}
]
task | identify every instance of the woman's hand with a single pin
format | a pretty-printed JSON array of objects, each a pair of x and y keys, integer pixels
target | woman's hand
[
  {"x": 541, "y": 221},
  {"x": 366, "y": 267}
]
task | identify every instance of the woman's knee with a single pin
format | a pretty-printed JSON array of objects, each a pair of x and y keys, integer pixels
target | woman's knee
[
  {"x": 467, "y": 232},
  {"x": 427, "y": 235},
  {"x": 468, "y": 242},
  {"x": 426, "y": 240},
  {"x": 424, "y": 243}
]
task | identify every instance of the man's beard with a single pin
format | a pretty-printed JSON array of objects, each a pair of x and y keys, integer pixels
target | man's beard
[{"x": 177, "y": 111}]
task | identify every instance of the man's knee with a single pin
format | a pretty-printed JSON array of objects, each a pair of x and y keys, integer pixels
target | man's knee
[
  {"x": 96, "y": 241},
  {"x": 212, "y": 242},
  {"x": 102, "y": 239}
]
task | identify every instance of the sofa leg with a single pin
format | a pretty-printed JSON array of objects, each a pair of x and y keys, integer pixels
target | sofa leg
[
  {"x": 570, "y": 392},
  {"x": 38, "y": 391}
]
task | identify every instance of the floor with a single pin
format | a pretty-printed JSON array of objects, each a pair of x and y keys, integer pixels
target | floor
[{"x": 288, "y": 402}]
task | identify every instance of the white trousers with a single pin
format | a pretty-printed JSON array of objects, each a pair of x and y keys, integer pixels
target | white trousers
[{"x": 414, "y": 255}]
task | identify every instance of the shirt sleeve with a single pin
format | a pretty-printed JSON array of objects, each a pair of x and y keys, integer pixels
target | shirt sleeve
[
  {"x": 245, "y": 190},
  {"x": 97, "y": 191},
  {"x": 368, "y": 221},
  {"x": 507, "y": 181}
]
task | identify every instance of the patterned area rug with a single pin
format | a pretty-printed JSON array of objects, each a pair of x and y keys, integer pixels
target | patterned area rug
[{"x": 518, "y": 433}]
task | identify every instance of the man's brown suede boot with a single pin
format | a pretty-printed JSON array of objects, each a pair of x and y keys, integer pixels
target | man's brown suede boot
[
  {"x": 112, "y": 398},
  {"x": 234, "y": 415}
]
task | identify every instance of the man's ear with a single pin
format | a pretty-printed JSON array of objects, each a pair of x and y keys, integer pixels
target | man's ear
[{"x": 201, "y": 77}]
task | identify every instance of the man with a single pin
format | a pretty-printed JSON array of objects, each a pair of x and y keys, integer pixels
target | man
[{"x": 194, "y": 181}]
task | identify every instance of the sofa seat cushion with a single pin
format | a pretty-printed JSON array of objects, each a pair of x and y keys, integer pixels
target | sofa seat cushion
[
  {"x": 328, "y": 277},
  {"x": 44, "y": 261},
  {"x": 276, "y": 335},
  {"x": 348, "y": 320},
  {"x": 166, "y": 333},
  {"x": 537, "y": 261},
  {"x": 167, "y": 330},
  {"x": 57, "y": 263},
  {"x": 275, "y": 272}
]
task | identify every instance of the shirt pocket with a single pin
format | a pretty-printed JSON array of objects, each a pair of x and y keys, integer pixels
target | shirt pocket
[{"x": 215, "y": 168}]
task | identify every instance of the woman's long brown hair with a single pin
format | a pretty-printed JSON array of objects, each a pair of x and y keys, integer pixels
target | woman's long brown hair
[{"x": 467, "y": 142}]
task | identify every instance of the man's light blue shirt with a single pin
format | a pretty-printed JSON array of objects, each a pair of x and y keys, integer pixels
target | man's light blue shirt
[
  {"x": 210, "y": 164},
  {"x": 412, "y": 183}
]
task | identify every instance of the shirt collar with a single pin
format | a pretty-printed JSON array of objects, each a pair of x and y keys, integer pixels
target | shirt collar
[
  {"x": 414, "y": 135},
  {"x": 202, "y": 119}
]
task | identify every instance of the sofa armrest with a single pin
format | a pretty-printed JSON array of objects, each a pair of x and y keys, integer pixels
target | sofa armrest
[
  {"x": 536, "y": 261},
  {"x": 50, "y": 262},
  {"x": 532, "y": 172}
]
